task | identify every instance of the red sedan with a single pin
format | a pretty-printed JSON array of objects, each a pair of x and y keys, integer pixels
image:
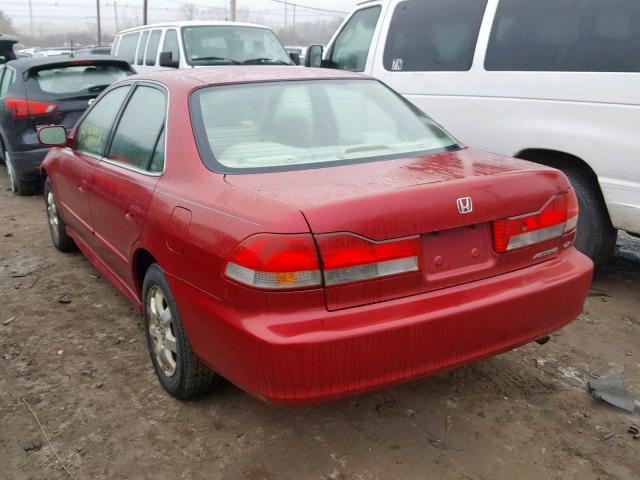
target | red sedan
[{"x": 308, "y": 234}]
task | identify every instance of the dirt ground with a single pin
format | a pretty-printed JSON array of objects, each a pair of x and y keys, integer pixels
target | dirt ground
[{"x": 75, "y": 353}]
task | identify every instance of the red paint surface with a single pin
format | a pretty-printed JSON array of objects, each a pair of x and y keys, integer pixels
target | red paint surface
[{"x": 467, "y": 302}]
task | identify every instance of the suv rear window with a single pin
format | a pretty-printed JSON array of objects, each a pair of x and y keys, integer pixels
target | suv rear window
[
  {"x": 305, "y": 124},
  {"x": 78, "y": 78}
]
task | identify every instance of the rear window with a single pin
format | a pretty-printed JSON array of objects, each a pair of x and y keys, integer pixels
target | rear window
[
  {"x": 79, "y": 79},
  {"x": 305, "y": 124}
]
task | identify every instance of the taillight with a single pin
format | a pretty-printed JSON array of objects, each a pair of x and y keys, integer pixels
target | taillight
[
  {"x": 277, "y": 262},
  {"x": 348, "y": 258},
  {"x": 21, "y": 107},
  {"x": 559, "y": 216}
]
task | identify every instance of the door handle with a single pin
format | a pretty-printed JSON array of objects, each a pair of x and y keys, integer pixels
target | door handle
[
  {"x": 133, "y": 212},
  {"x": 83, "y": 187}
]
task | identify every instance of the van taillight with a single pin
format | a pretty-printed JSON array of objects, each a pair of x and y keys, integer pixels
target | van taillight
[
  {"x": 278, "y": 262},
  {"x": 557, "y": 217},
  {"x": 22, "y": 108}
]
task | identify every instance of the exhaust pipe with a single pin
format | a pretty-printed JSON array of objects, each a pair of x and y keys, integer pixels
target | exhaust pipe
[{"x": 543, "y": 340}]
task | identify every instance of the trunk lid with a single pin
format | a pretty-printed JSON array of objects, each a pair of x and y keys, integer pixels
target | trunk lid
[{"x": 419, "y": 197}]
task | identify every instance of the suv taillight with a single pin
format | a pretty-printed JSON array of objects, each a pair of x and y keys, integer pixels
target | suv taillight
[
  {"x": 278, "y": 262},
  {"x": 557, "y": 217},
  {"x": 22, "y": 108}
]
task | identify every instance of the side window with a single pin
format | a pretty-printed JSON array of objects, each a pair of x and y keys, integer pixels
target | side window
[
  {"x": 127, "y": 46},
  {"x": 152, "y": 48},
  {"x": 157, "y": 161},
  {"x": 351, "y": 48},
  {"x": 114, "y": 47},
  {"x": 140, "y": 128},
  {"x": 94, "y": 130},
  {"x": 171, "y": 44},
  {"x": 6, "y": 81},
  {"x": 565, "y": 36},
  {"x": 141, "y": 48},
  {"x": 438, "y": 35}
]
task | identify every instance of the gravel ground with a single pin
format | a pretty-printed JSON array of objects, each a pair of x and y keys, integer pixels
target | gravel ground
[{"x": 72, "y": 350}]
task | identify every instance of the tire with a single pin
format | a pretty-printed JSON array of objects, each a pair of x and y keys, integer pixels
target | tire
[
  {"x": 180, "y": 372},
  {"x": 57, "y": 228},
  {"x": 18, "y": 186},
  {"x": 596, "y": 236}
]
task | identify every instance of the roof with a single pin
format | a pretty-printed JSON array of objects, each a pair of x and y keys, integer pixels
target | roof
[
  {"x": 225, "y": 75},
  {"x": 34, "y": 62},
  {"x": 194, "y": 23}
]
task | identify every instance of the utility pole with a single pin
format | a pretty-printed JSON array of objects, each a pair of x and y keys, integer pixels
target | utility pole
[
  {"x": 144, "y": 12},
  {"x": 98, "y": 17},
  {"x": 232, "y": 6},
  {"x": 31, "y": 20},
  {"x": 115, "y": 14},
  {"x": 286, "y": 8},
  {"x": 294, "y": 19}
]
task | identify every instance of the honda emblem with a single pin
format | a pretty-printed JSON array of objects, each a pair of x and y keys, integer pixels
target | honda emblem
[{"x": 465, "y": 205}]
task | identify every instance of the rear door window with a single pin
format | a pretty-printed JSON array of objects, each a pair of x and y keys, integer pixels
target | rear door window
[
  {"x": 127, "y": 46},
  {"x": 565, "y": 36},
  {"x": 351, "y": 47},
  {"x": 171, "y": 44},
  {"x": 152, "y": 48},
  {"x": 81, "y": 79},
  {"x": 6, "y": 80},
  {"x": 93, "y": 132},
  {"x": 141, "y": 48},
  {"x": 434, "y": 35},
  {"x": 139, "y": 130}
]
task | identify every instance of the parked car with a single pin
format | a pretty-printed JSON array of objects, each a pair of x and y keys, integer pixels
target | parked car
[
  {"x": 555, "y": 83},
  {"x": 199, "y": 44},
  {"x": 6, "y": 48},
  {"x": 94, "y": 50},
  {"x": 321, "y": 238},
  {"x": 45, "y": 91}
]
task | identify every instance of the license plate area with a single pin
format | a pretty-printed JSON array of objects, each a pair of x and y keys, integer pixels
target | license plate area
[{"x": 458, "y": 255}]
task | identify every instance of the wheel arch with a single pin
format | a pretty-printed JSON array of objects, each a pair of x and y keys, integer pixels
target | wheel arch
[{"x": 142, "y": 260}]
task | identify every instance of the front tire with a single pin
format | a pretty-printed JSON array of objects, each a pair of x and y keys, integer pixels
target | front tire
[
  {"x": 596, "y": 236},
  {"x": 59, "y": 237},
  {"x": 180, "y": 372},
  {"x": 18, "y": 186}
]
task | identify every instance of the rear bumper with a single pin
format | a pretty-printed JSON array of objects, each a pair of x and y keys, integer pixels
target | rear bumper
[
  {"x": 317, "y": 355},
  {"x": 27, "y": 164}
]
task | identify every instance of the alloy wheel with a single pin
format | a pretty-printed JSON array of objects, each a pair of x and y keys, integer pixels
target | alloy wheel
[
  {"x": 52, "y": 216},
  {"x": 161, "y": 331},
  {"x": 10, "y": 173}
]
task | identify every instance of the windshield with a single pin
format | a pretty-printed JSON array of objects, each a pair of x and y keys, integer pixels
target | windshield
[
  {"x": 298, "y": 124},
  {"x": 78, "y": 79},
  {"x": 224, "y": 45}
]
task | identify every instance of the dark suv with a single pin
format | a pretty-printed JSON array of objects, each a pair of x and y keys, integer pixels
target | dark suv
[{"x": 46, "y": 91}]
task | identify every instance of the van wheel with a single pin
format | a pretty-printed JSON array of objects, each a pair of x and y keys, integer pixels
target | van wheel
[
  {"x": 596, "y": 236},
  {"x": 18, "y": 186},
  {"x": 180, "y": 372}
]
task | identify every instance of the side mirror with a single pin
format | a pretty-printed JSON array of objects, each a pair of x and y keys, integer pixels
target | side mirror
[
  {"x": 314, "y": 56},
  {"x": 52, "y": 136},
  {"x": 295, "y": 57},
  {"x": 166, "y": 60}
]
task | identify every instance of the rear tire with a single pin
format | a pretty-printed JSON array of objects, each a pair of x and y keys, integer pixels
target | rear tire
[
  {"x": 180, "y": 372},
  {"x": 18, "y": 186},
  {"x": 57, "y": 228},
  {"x": 596, "y": 236}
]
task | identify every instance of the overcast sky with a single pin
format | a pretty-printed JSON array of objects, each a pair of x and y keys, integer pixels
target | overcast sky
[{"x": 62, "y": 14}]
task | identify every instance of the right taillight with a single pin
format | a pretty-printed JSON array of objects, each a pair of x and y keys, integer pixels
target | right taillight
[
  {"x": 557, "y": 217},
  {"x": 22, "y": 108},
  {"x": 285, "y": 262}
]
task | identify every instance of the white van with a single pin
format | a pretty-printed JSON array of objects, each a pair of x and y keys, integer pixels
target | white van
[
  {"x": 198, "y": 44},
  {"x": 553, "y": 82}
]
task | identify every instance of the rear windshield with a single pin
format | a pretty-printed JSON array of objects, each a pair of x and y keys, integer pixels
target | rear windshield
[
  {"x": 305, "y": 124},
  {"x": 78, "y": 79}
]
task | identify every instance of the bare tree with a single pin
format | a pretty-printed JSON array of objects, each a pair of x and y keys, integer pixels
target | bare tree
[
  {"x": 6, "y": 25},
  {"x": 189, "y": 11}
]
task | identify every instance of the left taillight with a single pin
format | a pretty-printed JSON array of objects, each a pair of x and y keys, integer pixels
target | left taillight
[
  {"x": 22, "y": 108},
  {"x": 275, "y": 262},
  {"x": 557, "y": 217},
  {"x": 279, "y": 262}
]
